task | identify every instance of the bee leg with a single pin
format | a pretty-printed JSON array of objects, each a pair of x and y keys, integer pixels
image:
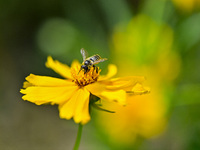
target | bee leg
[
  {"x": 86, "y": 70},
  {"x": 96, "y": 68}
]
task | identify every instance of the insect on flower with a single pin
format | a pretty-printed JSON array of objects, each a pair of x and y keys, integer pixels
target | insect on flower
[
  {"x": 89, "y": 62},
  {"x": 81, "y": 82}
]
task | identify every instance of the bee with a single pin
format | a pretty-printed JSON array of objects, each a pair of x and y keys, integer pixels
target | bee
[{"x": 89, "y": 62}]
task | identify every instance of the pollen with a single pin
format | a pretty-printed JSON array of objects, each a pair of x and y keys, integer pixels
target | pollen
[{"x": 83, "y": 79}]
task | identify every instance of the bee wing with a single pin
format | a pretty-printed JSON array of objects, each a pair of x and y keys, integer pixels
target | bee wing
[
  {"x": 84, "y": 54},
  {"x": 100, "y": 60}
]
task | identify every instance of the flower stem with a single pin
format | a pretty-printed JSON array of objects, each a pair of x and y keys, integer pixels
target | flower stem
[{"x": 78, "y": 138}]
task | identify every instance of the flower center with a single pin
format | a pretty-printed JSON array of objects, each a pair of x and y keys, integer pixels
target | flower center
[{"x": 83, "y": 79}]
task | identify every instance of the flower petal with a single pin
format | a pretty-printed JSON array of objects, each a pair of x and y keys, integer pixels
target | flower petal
[
  {"x": 26, "y": 84},
  {"x": 59, "y": 68},
  {"x": 115, "y": 89},
  {"x": 76, "y": 107},
  {"x": 117, "y": 96},
  {"x": 75, "y": 64},
  {"x": 100, "y": 91},
  {"x": 139, "y": 89},
  {"x": 112, "y": 70},
  {"x": 46, "y": 81},
  {"x": 126, "y": 83},
  {"x": 54, "y": 95}
]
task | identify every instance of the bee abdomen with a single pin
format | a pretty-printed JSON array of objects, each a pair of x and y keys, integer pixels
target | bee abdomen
[{"x": 95, "y": 58}]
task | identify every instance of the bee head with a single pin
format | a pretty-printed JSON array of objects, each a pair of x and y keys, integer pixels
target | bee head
[{"x": 84, "y": 67}]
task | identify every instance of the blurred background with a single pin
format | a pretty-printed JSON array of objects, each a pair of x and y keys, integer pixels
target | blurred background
[{"x": 158, "y": 39}]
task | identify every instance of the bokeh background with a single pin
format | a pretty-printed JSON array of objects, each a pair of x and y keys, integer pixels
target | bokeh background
[{"x": 158, "y": 39}]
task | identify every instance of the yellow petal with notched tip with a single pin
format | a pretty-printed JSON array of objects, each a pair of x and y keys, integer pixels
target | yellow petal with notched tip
[
  {"x": 76, "y": 107},
  {"x": 59, "y": 67},
  {"x": 54, "y": 95},
  {"x": 112, "y": 70},
  {"x": 85, "y": 113},
  {"x": 26, "y": 84},
  {"x": 47, "y": 81},
  {"x": 100, "y": 91},
  {"x": 82, "y": 111},
  {"x": 139, "y": 89},
  {"x": 125, "y": 83}
]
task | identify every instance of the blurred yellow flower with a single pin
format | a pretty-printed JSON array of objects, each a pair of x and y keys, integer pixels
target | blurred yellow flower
[
  {"x": 187, "y": 5},
  {"x": 72, "y": 94},
  {"x": 143, "y": 47}
]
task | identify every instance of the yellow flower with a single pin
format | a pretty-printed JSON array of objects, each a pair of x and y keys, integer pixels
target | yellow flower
[
  {"x": 72, "y": 94},
  {"x": 187, "y": 5},
  {"x": 146, "y": 50}
]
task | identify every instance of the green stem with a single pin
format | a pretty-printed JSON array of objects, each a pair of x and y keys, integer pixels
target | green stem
[{"x": 78, "y": 138}]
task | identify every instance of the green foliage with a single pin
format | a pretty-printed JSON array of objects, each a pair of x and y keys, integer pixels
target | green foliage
[{"x": 32, "y": 30}]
